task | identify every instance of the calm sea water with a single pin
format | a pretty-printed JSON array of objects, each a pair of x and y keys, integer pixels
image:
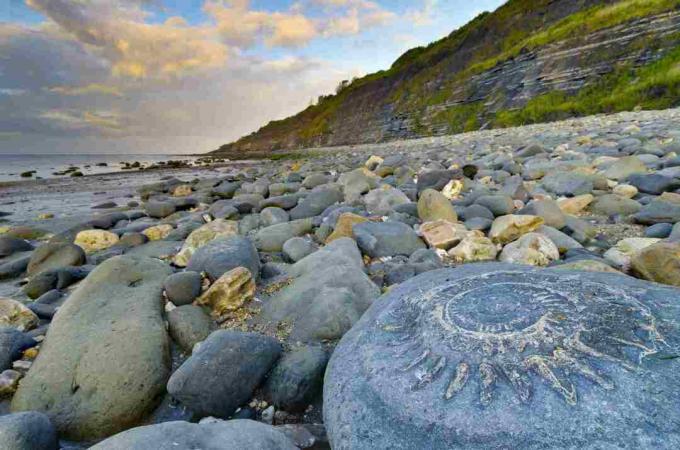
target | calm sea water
[{"x": 11, "y": 166}]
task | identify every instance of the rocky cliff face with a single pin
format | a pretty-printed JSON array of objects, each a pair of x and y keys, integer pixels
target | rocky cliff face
[{"x": 528, "y": 61}]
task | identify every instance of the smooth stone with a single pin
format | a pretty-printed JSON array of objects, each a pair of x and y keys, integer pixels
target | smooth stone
[
  {"x": 224, "y": 254},
  {"x": 11, "y": 245},
  {"x": 474, "y": 248},
  {"x": 188, "y": 325},
  {"x": 436, "y": 179},
  {"x": 223, "y": 372},
  {"x": 612, "y": 204},
  {"x": 533, "y": 249},
  {"x": 297, "y": 248},
  {"x": 214, "y": 435},
  {"x": 568, "y": 183},
  {"x": 12, "y": 344},
  {"x": 659, "y": 262},
  {"x": 653, "y": 183},
  {"x": 54, "y": 279},
  {"x": 587, "y": 265},
  {"x": 426, "y": 368},
  {"x": 378, "y": 239},
  {"x": 273, "y": 216},
  {"x": 183, "y": 288},
  {"x": 203, "y": 235},
  {"x": 94, "y": 240},
  {"x": 658, "y": 211},
  {"x": 563, "y": 242},
  {"x": 55, "y": 256},
  {"x": 27, "y": 431},
  {"x": 433, "y": 206},
  {"x": 548, "y": 210},
  {"x": 477, "y": 211},
  {"x": 285, "y": 202},
  {"x": 105, "y": 361},
  {"x": 499, "y": 205},
  {"x": 164, "y": 250},
  {"x": 619, "y": 256},
  {"x": 383, "y": 200},
  {"x": 272, "y": 238},
  {"x": 659, "y": 230},
  {"x": 16, "y": 315},
  {"x": 625, "y": 167},
  {"x": 159, "y": 210},
  {"x": 509, "y": 228},
  {"x": 229, "y": 293},
  {"x": 297, "y": 378},
  {"x": 316, "y": 202},
  {"x": 344, "y": 225},
  {"x": 575, "y": 205}
]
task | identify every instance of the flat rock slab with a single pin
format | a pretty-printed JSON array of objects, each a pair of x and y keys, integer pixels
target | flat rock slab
[
  {"x": 506, "y": 356},
  {"x": 105, "y": 359}
]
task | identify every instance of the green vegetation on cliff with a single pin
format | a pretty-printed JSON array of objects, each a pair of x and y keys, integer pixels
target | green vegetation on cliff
[{"x": 433, "y": 88}]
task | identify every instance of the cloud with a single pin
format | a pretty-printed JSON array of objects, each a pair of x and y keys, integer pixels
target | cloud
[
  {"x": 70, "y": 119},
  {"x": 425, "y": 15},
  {"x": 92, "y": 88}
]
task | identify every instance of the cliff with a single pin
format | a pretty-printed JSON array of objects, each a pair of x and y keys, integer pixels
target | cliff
[{"x": 529, "y": 61}]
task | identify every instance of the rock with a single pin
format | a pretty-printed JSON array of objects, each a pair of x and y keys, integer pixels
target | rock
[
  {"x": 224, "y": 254},
  {"x": 55, "y": 256},
  {"x": 16, "y": 315},
  {"x": 511, "y": 227},
  {"x": 568, "y": 183},
  {"x": 625, "y": 190},
  {"x": 283, "y": 201},
  {"x": 297, "y": 378},
  {"x": 27, "y": 431},
  {"x": 273, "y": 216},
  {"x": 271, "y": 239},
  {"x": 230, "y": 292},
  {"x": 159, "y": 210},
  {"x": 316, "y": 202},
  {"x": 9, "y": 383},
  {"x": 378, "y": 239},
  {"x": 11, "y": 245},
  {"x": 95, "y": 240},
  {"x": 207, "y": 233},
  {"x": 223, "y": 372},
  {"x": 356, "y": 183},
  {"x": 373, "y": 162},
  {"x": 562, "y": 241},
  {"x": 659, "y": 262},
  {"x": 53, "y": 279},
  {"x": 658, "y": 211},
  {"x": 653, "y": 183},
  {"x": 612, "y": 204},
  {"x": 443, "y": 234},
  {"x": 164, "y": 250},
  {"x": 278, "y": 189},
  {"x": 15, "y": 266},
  {"x": 425, "y": 260},
  {"x": 182, "y": 190},
  {"x": 183, "y": 288},
  {"x": 532, "y": 249},
  {"x": 659, "y": 231},
  {"x": 226, "y": 190},
  {"x": 587, "y": 265},
  {"x": 625, "y": 167},
  {"x": 499, "y": 205},
  {"x": 549, "y": 211},
  {"x": 158, "y": 232},
  {"x": 188, "y": 325},
  {"x": 576, "y": 204},
  {"x": 26, "y": 232},
  {"x": 452, "y": 347},
  {"x": 328, "y": 295},
  {"x": 620, "y": 255},
  {"x": 344, "y": 226},
  {"x": 106, "y": 351},
  {"x": 297, "y": 248},
  {"x": 383, "y": 200},
  {"x": 474, "y": 248},
  {"x": 436, "y": 179},
  {"x": 12, "y": 344},
  {"x": 433, "y": 206},
  {"x": 477, "y": 211},
  {"x": 214, "y": 435}
]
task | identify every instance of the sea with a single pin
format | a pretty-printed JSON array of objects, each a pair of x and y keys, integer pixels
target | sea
[{"x": 50, "y": 165}]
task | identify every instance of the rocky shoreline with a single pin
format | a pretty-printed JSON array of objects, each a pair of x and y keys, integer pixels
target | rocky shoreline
[{"x": 355, "y": 297}]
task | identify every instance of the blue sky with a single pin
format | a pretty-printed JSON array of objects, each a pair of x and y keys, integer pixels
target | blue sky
[{"x": 189, "y": 75}]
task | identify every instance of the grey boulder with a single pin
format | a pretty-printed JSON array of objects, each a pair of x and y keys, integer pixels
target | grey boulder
[
  {"x": 12, "y": 343},
  {"x": 506, "y": 356},
  {"x": 221, "y": 255},
  {"x": 105, "y": 360},
  {"x": 183, "y": 288},
  {"x": 55, "y": 256},
  {"x": 188, "y": 325},
  {"x": 222, "y": 374},
  {"x": 27, "y": 431},
  {"x": 213, "y": 435},
  {"x": 378, "y": 239}
]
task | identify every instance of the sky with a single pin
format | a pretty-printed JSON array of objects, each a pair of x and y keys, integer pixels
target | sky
[{"x": 186, "y": 76}]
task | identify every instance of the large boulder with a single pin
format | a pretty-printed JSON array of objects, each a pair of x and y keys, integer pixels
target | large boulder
[
  {"x": 223, "y": 372},
  {"x": 658, "y": 211},
  {"x": 27, "y": 431},
  {"x": 378, "y": 239},
  {"x": 105, "y": 360},
  {"x": 224, "y": 254},
  {"x": 55, "y": 256},
  {"x": 212, "y": 435},
  {"x": 505, "y": 356},
  {"x": 328, "y": 295}
]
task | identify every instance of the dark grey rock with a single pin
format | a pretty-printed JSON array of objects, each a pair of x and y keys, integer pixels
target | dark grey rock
[
  {"x": 660, "y": 230},
  {"x": 15, "y": 266},
  {"x": 424, "y": 260},
  {"x": 436, "y": 179},
  {"x": 159, "y": 210},
  {"x": 11, "y": 245},
  {"x": 548, "y": 210},
  {"x": 106, "y": 352},
  {"x": 568, "y": 183},
  {"x": 271, "y": 239},
  {"x": 273, "y": 215},
  {"x": 378, "y": 239},
  {"x": 221, "y": 255},
  {"x": 499, "y": 205},
  {"x": 658, "y": 211},
  {"x": 183, "y": 288},
  {"x": 55, "y": 256},
  {"x": 478, "y": 223},
  {"x": 226, "y": 189},
  {"x": 316, "y": 202},
  {"x": 155, "y": 249},
  {"x": 282, "y": 201},
  {"x": 653, "y": 183},
  {"x": 54, "y": 279},
  {"x": 189, "y": 325},
  {"x": 213, "y": 435},
  {"x": 223, "y": 372},
  {"x": 474, "y": 211},
  {"x": 506, "y": 356},
  {"x": 297, "y": 378},
  {"x": 27, "y": 431},
  {"x": 297, "y": 248},
  {"x": 612, "y": 204},
  {"x": 12, "y": 343}
]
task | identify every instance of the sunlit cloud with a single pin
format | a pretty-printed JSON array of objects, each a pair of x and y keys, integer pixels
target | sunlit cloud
[{"x": 92, "y": 88}]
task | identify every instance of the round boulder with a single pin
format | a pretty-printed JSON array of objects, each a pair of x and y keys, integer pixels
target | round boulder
[
  {"x": 27, "y": 431},
  {"x": 55, "y": 256},
  {"x": 505, "y": 356}
]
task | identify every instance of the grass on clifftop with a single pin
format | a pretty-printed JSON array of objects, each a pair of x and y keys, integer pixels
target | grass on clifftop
[{"x": 656, "y": 86}]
